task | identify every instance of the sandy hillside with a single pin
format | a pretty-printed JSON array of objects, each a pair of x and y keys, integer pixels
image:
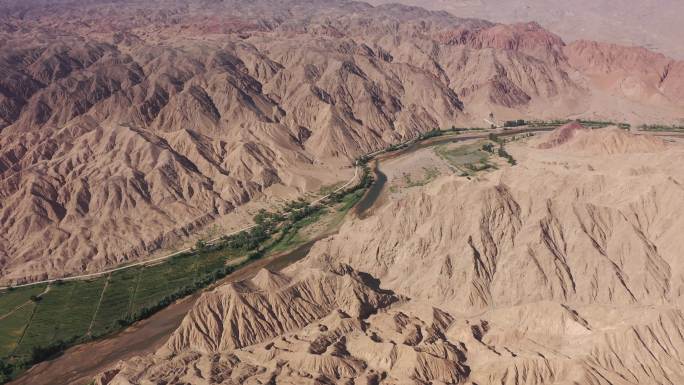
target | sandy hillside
[
  {"x": 563, "y": 269},
  {"x": 599, "y": 200}
]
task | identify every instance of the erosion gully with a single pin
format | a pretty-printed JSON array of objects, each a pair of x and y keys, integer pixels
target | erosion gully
[{"x": 79, "y": 364}]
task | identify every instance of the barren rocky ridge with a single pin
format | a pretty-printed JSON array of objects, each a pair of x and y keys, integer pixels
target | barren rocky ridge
[{"x": 126, "y": 126}]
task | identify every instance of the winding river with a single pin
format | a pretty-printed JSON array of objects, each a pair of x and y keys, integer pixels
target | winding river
[
  {"x": 371, "y": 196},
  {"x": 79, "y": 364}
]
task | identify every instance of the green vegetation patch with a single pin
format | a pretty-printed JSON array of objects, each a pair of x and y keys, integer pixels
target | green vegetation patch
[
  {"x": 407, "y": 181},
  {"x": 117, "y": 300},
  {"x": 47, "y": 318},
  {"x": 12, "y": 327},
  {"x": 79, "y": 311},
  {"x": 430, "y": 173},
  {"x": 661, "y": 127},
  {"x": 350, "y": 200},
  {"x": 290, "y": 234},
  {"x": 325, "y": 190},
  {"x": 585, "y": 123},
  {"x": 160, "y": 280},
  {"x": 16, "y": 297},
  {"x": 468, "y": 159}
]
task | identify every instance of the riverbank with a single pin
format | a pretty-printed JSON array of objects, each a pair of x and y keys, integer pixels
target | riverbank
[{"x": 80, "y": 312}]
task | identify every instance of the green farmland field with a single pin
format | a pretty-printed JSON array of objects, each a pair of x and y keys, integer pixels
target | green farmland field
[
  {"x": 468, "y": 159},
  {"x": 12, "y": 328},
  {"x": 74, "y": 310}
]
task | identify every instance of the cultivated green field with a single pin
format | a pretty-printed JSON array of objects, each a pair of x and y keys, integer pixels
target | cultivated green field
[
  {"x": 15, "y": 298},
  {"x": 117, "y": 300},
  {"x": 74, "y": 310},
  {"x": 12, "y": 327},
  {"x": 468, "y": 159}
]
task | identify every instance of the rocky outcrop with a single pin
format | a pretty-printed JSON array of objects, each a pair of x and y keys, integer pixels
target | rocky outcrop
[
  {"x": 631, "y": 72},
  {"x": 246, "y": 313},
  {"x": 562, "y": 135}
]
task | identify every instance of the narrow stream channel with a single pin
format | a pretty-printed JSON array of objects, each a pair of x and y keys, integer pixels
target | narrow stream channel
[{"x": 373, "y": 193}]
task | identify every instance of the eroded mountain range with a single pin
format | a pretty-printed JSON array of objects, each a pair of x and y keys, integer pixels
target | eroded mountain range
[
  {"x": 651, "y": 24},
  {"x": 125, "y": 126}
]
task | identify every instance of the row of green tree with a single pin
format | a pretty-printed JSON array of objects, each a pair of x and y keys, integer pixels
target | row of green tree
[
  {"x": 584, "y": 122},
  {"x": 661, "y": 127}
]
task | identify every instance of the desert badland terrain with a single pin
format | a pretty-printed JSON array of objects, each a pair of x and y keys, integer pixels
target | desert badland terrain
[
  {"x": 651, "y": 24},
  {"x": 546, "y": 257}
]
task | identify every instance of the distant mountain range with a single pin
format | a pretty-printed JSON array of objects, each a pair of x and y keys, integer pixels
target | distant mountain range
[{"x": 654, "y": 24}]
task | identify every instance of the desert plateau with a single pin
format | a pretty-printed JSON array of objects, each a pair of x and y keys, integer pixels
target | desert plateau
[{"x": 207, "y": 192}]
